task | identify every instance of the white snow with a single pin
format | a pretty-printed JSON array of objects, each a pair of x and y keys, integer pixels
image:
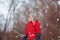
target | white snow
[
  {"x": 58, "y": 36},
  {"x": 16, "y": 36},
  {"x": 47, "y": 24},
  {"x": 50, "y": 32},
  {"x": 46, "y": 10},
  {"x": 52, "y": 39},
  {"x": 57, "y": 19}
]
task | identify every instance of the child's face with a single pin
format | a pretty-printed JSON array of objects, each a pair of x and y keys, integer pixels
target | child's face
[{"x": 31, "y": 18}]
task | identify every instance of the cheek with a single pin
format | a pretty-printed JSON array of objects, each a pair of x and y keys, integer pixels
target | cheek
[{"x": 32, "y": 18}]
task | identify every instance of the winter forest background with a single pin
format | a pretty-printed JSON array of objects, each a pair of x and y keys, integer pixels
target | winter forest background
[{"x": 14, "y": 15}]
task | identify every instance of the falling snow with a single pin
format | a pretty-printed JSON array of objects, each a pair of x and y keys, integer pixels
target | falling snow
[
  {"x": 44, "y": 10},
  {"x": 47, "y": 24},
  {"x": 57, "y": 19}
]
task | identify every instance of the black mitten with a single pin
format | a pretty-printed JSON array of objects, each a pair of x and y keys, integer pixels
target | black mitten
[
  {"x": 38, "y": 36},
  {"x": 24, "y": 38}
]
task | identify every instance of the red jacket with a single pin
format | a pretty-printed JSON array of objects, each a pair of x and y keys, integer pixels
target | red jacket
[
  {"x": 37, "y": 26},
  {"x": 31, "y": 29}
]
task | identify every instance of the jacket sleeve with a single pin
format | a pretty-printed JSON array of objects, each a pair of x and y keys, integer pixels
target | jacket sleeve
[
  {"x": 26, "y": 29},
  {"x": 37, "y": 25}
]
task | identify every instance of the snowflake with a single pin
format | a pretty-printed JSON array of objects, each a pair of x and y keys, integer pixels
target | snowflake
[
  {"x": 50, "y": 32},
  {"x": 47, "y": 24},
  {"x": 47, "y": 6},
  {"x": 22, "y": 35},
  {"x": 46, "y": 11},
  {"x": 16, "y": 36},
  {"x": 36, "y": 6},
  {"x": 41, "y": 14},
  {"x": 40, "y": 26},
  {"x": 52, "y": 39},
  {"x": 58, "y": 36},
  {"x": 57, "y": 19}
]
